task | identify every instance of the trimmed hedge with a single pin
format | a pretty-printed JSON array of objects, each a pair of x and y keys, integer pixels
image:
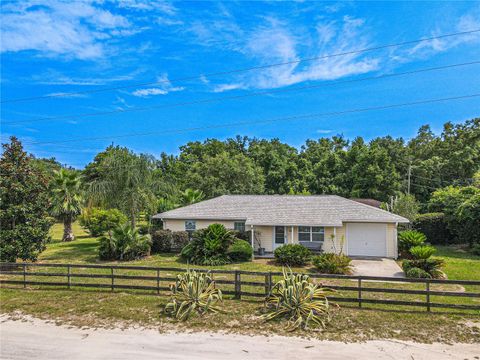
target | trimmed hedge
[
  {"x": 434, "y": 226},
  {"x": 292, "y": 255},
  {"x": 161, "y": 241},
  {"x": 240, "y": 251},
  {"x": 169, "y": 241}
]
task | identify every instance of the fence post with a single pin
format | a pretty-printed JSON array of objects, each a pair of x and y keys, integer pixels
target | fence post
[
  {"x": 238, "y": 285},
  {"x": 158, "y": 281},
  {"x": 359, "y": 292},
  {"x": 24, "y": 276},
  {"x": 113, "y": 278},
  {"x": 427, "y": 285},
  {"x": 268, "y": 283},
  {"x": 68, "y": 276}
]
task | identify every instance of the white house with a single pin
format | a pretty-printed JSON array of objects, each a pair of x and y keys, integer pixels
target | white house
[{"x": 327, "y": 222}]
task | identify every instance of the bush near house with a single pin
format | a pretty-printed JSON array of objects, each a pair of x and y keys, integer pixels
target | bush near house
[
  {"x": 409, "y": 239},
  {"x": 434, "y": 226},
  {"x": 476, "y": 249},
  {"x": 209, "y": 246},
  {"x": 124, "y": 243},
  {"x": 330, "y": 263},
  {"x": 168, "y": 241},
  {"x": 240, "y": 251},
  {"x": 179, "y": 240},
  {"x": 424, "y": 268},
  {"x": 98, "y": 221},
  {"x": 161, "y": 241},
  {"x": 292, "y": 255}
]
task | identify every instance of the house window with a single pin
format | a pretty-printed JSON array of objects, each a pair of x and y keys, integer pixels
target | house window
[
  {"x": 311, "y": 233},
  {"x": 239, "y": 226},
  {"x": 190, "y": 225}
]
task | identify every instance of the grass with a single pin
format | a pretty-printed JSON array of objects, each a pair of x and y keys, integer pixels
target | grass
[
  {"x": 89, "y": 307},
  {"x": 105, "y": 309}
]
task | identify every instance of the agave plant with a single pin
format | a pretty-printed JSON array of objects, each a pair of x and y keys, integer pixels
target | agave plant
[
  {"x": 299, "y": 301},
  {"x": 193, "y": 292}
]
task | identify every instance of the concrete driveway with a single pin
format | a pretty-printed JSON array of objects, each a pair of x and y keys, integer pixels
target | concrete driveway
[{"x": 377, "y": 267}]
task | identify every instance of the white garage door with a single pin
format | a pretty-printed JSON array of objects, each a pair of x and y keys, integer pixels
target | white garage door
[{"x": 367, "y": 239}]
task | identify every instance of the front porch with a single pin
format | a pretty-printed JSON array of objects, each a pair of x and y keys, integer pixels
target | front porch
[{"x": 265, "y": 239}]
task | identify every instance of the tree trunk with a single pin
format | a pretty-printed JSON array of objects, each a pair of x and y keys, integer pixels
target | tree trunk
[
  {"x": 67, "y": 230},
  {"x": 133, "y": 218}
]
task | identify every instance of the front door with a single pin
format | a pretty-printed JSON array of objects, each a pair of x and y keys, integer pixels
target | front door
[{"x": 279, "y": 236}]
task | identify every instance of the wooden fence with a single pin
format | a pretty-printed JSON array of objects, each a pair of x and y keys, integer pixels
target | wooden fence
[{"x": 239, "y": 285}]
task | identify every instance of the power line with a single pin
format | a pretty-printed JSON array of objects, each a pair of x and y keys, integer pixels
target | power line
[
  {"x": 250, "y": 122},
  {"x": 237, "y": 97},
  {"x": 240, "y": 70}
]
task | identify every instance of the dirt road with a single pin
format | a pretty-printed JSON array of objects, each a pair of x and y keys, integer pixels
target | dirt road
[{"x": 36, "y": 339}]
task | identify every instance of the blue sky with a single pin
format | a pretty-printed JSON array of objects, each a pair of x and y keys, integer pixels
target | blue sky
[{"x": 53, "y": 47}]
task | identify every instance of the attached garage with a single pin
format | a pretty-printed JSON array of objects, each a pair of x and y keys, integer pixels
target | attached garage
[{"x": 367, "y": 239}]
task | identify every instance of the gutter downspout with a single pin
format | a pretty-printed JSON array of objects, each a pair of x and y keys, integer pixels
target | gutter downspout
[{"x": 252, "y": 241}]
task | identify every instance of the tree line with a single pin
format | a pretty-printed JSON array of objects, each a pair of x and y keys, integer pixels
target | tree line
[{"x": 384, "y": 168}]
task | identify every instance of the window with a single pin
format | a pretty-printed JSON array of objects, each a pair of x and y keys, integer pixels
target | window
[
  {"x": 239, "y": 226},
  {"x": 311, "y": 233},
  {"x": 190, "y": 225}
]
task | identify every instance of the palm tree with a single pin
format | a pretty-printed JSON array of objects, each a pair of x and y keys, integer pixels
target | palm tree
[
  {"x": 127, "y": 183},
  {"x": 66, "y": 199},
  {"x": 191, "y": 196}
]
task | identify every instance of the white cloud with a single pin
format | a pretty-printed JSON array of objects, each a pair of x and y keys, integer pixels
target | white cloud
[
  {"x": 426, "y": 49},
  {"x": 149, "y": 92},
  {"x": 78, "y": 30},
  {"x": 66, "y": 95},
  {"x": 323, "y": 131},
  {"x": 164, "y": 87},
  {"x": 276, "y": 42},
  {"x": 226, "y": 87}
]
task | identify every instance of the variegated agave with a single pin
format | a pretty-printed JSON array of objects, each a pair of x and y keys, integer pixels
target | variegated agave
[
  {"x": 302, "y": 303},
  {"x": 193, "y": 292}
]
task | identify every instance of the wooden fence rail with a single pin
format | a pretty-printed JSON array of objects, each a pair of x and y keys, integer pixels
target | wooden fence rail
[{"x": 159, "y": 278}]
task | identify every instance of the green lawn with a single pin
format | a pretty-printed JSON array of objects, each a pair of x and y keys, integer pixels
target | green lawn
[
  {"x": 459, "y": 264},
  {"x": 97, "y": 308}
]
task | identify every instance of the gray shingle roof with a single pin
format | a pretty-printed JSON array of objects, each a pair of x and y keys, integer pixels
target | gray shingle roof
[{"x": 321, "y": 210}]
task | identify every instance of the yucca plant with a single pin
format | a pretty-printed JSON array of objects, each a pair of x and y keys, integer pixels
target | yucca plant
[
  {"x": 299, "y": 301},
  {"x": 193, "y": 292}
]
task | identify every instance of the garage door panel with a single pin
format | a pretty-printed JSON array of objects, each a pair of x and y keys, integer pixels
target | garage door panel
[{"x": 367, "y": 239}]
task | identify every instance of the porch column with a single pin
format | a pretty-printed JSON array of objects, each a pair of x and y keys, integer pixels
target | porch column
[
  {"x": 293, "y": 241},
  {"x": 252, "y": 241}
]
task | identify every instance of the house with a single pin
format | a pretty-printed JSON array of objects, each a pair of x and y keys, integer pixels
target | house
[{"x": 326, "y": 222}]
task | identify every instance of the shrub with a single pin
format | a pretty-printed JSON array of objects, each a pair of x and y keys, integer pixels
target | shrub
[
  {"x": 476, "y": 249},
  {"x": 243, "y": 235},
  {"x": 99, "y": 221},
  {"x": 408, "y": 239},
  {"x": 417, "y": 273},
  {"x": 330, "y": 263},
  {"x": 193, "y": 292},
  {"x": 179, "y": 240},
  {"x": 422, "y": 251},
  {"x": 292, "y": 255},
  {"x": 299, "y": 301},
  {"x": 434, "y": 226},
  {"x": 209, "y": 246},
  {"x": 144, "y": 229},
  {"x": 240, "y": 251},
  {"x": 124, "y": 243},
  {"x": 431, "y": 266},
  {"x": 161, "y": 241}
]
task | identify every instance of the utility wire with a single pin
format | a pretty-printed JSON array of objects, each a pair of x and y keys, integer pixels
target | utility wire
[
  {"x": 234, "y": 71},
  {"x": 237, "y": 97},
  {"x": 254, "y": 122}
]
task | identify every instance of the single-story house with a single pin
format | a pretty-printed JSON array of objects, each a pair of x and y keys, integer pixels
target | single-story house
[{"x": 324, "y": 222}]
